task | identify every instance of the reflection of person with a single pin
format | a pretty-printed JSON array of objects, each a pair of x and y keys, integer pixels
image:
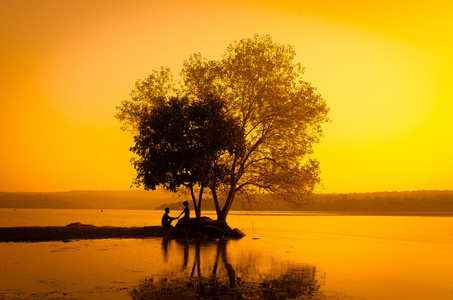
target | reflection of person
[
  {"x": 165, "y": 243},
  {"x": 166, "y": 219},
  {"x": 186, "y": 255},
  {"x": 186, "y": 211}
]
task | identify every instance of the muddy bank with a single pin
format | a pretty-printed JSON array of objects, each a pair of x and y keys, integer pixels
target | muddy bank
[
  {"x": 76, "y": 231},
  {"x": 188, "y": 228}
]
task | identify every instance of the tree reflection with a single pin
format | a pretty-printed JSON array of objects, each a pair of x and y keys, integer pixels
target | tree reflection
[{"x": 213, "y": 276}]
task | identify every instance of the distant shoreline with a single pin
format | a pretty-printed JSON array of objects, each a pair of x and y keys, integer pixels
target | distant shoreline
[
  {"x": 280, "y": 212},
  {"x": 347, "y": 213},
  {"x": 439, "y": 203}
]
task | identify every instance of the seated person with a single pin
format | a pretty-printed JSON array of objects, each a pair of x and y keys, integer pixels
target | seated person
[
  {"x": 186, "y": 211},
  {"x": 166, "y": 219}
]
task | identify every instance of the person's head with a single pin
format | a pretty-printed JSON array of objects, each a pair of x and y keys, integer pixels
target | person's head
[
  {"x": 185, "y": 203},
  {"x": 167, "y": 210}
]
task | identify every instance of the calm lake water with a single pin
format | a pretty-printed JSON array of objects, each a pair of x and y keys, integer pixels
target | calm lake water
[{"x": 298, "y": 255}]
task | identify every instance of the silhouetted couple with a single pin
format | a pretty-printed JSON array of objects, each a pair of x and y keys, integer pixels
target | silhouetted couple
[{"x": 166, "y": 219}]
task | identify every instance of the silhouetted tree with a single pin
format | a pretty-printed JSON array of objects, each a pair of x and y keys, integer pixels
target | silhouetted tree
[
  {"x": 179, "y": 143},
  {"x": 278, "y": 114}
]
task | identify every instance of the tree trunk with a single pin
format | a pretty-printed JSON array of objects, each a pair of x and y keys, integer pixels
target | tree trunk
[
  {"x": 226, "y": 208},
  {"x": 200, "y": 196},
  {"x": 216, "y": 200},
  {"x": 196, "y": 207}
]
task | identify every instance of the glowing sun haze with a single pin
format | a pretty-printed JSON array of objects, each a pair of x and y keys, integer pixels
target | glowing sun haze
[{"x": 383, "y": 67}]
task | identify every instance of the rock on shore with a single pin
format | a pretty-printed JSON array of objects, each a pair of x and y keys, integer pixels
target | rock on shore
[{"x": 208, "y": 227}]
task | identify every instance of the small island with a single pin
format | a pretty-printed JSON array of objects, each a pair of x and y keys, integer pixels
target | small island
[{"x": 186, "y": 228}]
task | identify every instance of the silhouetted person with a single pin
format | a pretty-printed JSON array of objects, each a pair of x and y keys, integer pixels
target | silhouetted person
[
  {"x": 166, "y": 219},
  {"x": 186, "y": 210}
]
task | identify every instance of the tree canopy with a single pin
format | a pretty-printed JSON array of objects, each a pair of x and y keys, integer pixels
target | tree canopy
[
  {"x": 277, "y": 114},
  {"x": 179, "y": 143}
]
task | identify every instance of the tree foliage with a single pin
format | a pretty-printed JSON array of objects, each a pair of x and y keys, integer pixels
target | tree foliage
[
  {"x": 179, "y": 143},
  {"x": 278, "y": 114}
]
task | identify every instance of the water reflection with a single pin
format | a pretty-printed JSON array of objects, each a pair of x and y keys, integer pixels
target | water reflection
[{"x": 217, "y": 270}]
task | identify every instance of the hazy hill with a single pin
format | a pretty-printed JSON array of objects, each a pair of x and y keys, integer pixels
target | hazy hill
[
  {"x": 416, "y": 201},
  {"x": 135, "y": 199},
  {"x": 412, "y": 201}
]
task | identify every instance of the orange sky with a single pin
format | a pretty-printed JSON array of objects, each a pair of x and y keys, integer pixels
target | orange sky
[{"x": 384, "y": 68}]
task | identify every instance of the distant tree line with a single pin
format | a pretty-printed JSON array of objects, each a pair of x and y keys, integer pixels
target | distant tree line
[
  {"x": 414, "y": 201},
  {"x": 135, "y": 199}
]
